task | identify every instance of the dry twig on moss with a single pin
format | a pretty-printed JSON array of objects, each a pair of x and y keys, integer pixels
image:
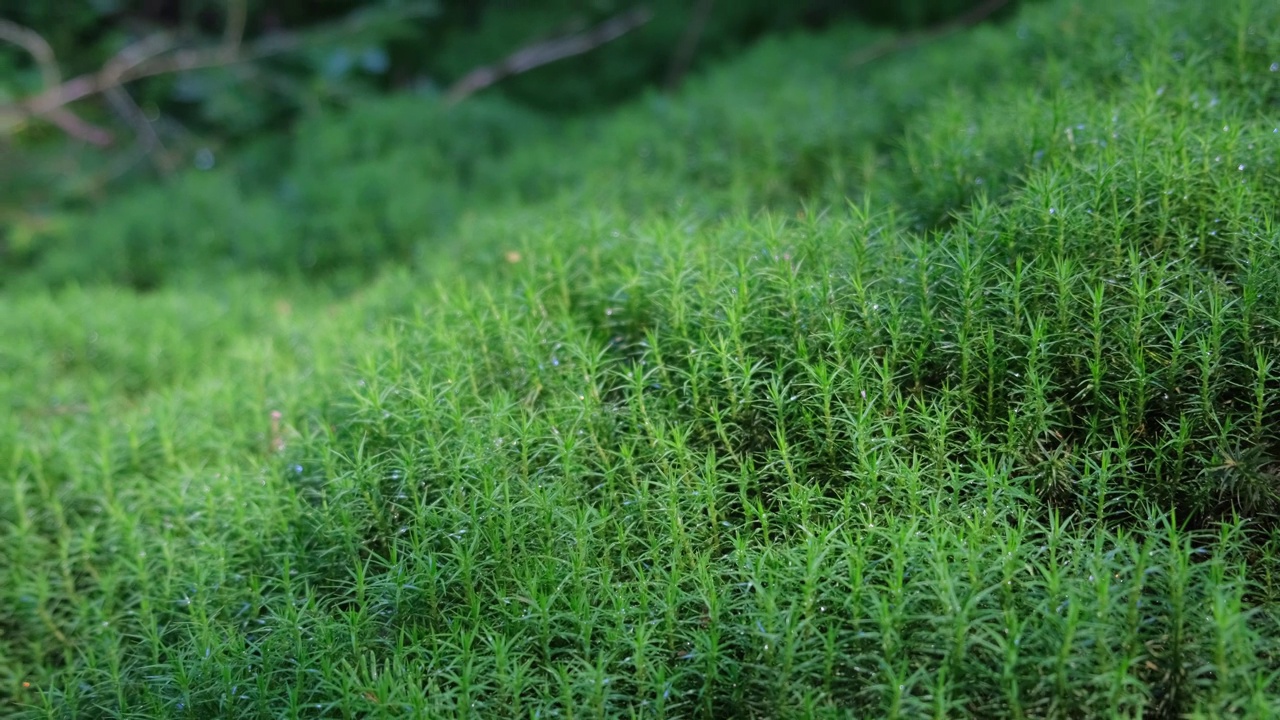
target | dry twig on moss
[
  {"x": 51, "y": 75},
  {"x": 543, "y": 53},
  {"x": 688, "y": 46},
  {"x": 905, "y": 42},
  {"x": 158, "y": 55}
]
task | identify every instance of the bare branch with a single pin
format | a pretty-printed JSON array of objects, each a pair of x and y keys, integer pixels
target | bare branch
[
  {"x": 132, "y": 56},
  {"x": 148, "y": 141},
  {"x": 78, "y": 128},
  {"x": 40, "y": 50},
  {"x": 36, "y": 46},
  {"x": 683, "y": 56},
  {"x": 544, "y": 53},
  {"x": 65, "y": 120},
  {"x": 237, "y": 14},
  {"x": 906, "y": 42},
  {"x": 154, "y": 56}
]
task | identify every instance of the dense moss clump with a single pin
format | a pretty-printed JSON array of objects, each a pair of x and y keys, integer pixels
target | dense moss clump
[{"x": 943, "y": 386}]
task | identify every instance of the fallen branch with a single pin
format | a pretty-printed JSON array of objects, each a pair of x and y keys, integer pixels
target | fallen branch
[
  {"x": 43, "y": 54},
  {"x": 233, "y": 33},
  {"x": 154, "y": 55},
  {"x": 688, "y": 47},
  {"x": 148, "y": 139},
  {"x": 36, "y": 46},
  {"x": 543, "y": 53},
  {"x": 79, "y": 128},
  {"x": 906, "y": 42}
]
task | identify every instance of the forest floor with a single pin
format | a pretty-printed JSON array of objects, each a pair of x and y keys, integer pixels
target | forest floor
[{"x": 941, "y": 385}]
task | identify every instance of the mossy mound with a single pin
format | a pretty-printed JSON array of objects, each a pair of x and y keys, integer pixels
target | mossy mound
[{"x": 946, "y": 386}]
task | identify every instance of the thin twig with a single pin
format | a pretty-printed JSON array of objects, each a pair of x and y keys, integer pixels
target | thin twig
[
  {"x": 148, "y": 141},
  {"x": 543, "y": 53},
  {"x": 51, "y": 75},
  {"x": 152, "y": 56},
  {"x": 125, "y": 106},
  {"x": 131, "y": 56},
  {"x": 906, "y": 42},
  {"x": 78, "y": 128},
  {"x": 66, "y": 121},
  {"x": 36, "y": 46},
  {"x": 683, "y": 56},
  {"x": 233, "y": 34}
]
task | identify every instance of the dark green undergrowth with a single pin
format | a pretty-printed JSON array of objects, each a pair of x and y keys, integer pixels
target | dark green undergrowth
[{"x": 946, "y": 386}]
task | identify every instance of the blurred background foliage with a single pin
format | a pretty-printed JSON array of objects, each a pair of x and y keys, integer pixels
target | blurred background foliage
[{"x": 334, "y": 123}]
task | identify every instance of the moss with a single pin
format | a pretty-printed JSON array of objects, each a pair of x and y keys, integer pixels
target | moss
[{"x": 747, "y": 402}]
